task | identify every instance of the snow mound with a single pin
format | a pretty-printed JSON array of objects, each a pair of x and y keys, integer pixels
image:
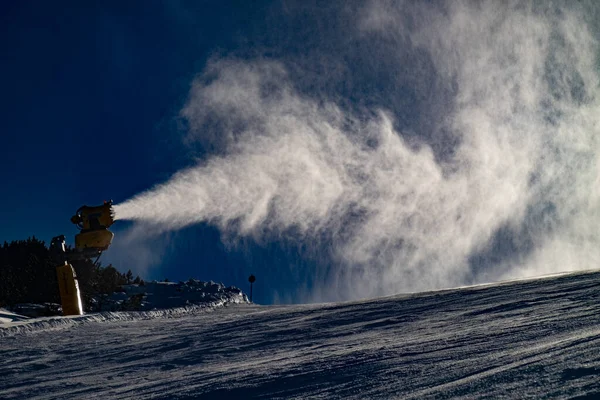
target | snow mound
[
  {"x": 7, "y": 317},
  {"x": 33, "y": 325},
  {"x": 161, "y": 295},
  {"x": 135, "y": 302}
]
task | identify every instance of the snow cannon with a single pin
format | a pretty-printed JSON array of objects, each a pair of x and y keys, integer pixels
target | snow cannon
[
  {"x": 93, "y": 238},
  {"x": 93, "y": 223}
]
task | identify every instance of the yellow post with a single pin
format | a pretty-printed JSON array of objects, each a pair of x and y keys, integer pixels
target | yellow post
[{"x": 69, "y": 290}]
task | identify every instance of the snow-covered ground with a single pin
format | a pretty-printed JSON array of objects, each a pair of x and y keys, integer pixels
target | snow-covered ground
[
  {"x": 8, "y": 317},
  {"x": 160, "y": 295},
  {"x": 537, "y": 338}
]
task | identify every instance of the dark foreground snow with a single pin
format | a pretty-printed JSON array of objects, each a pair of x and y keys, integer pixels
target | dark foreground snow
[{"x": 538, "y": 338}]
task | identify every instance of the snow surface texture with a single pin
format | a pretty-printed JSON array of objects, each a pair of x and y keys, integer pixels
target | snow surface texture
[
  {"x": 155, "y": 299},
  {"x": 537, "y": 338},
  {"x": 7, "y": 317},
  {"x": 159, "y": 295}
]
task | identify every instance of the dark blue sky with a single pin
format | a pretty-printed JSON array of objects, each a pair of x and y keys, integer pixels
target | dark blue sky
[
  {"x": 90, "y": 111},
  {"x": 91, "y": 96}
]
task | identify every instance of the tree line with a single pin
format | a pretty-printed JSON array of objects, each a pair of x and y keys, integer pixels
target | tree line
[{"x": 28, "y": 275}]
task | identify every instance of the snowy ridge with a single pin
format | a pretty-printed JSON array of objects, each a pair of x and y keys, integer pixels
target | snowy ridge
[{"x": 55, "y": 323}]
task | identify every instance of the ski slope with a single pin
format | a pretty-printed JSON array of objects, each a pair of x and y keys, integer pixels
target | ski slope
[{"x": 536, "y": 338}]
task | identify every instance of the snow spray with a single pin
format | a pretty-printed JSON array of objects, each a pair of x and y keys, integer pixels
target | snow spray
[{"x": 521, "y": 116}]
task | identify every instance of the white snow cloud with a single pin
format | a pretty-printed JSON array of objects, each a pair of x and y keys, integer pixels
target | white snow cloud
[{"x": 524, "y": 114}]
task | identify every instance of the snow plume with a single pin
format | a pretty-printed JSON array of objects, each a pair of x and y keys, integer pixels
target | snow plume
[{"x": 516, "y": 192}]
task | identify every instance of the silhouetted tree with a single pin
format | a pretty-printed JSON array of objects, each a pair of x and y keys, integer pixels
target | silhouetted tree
[
  {"x": 28, "y": 275},
  {"x": 129, "y": 277},
  {"x": 110, "y": 280}
]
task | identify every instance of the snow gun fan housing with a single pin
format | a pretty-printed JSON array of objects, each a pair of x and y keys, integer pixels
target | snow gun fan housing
[{"x": 93, "y": 223}]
